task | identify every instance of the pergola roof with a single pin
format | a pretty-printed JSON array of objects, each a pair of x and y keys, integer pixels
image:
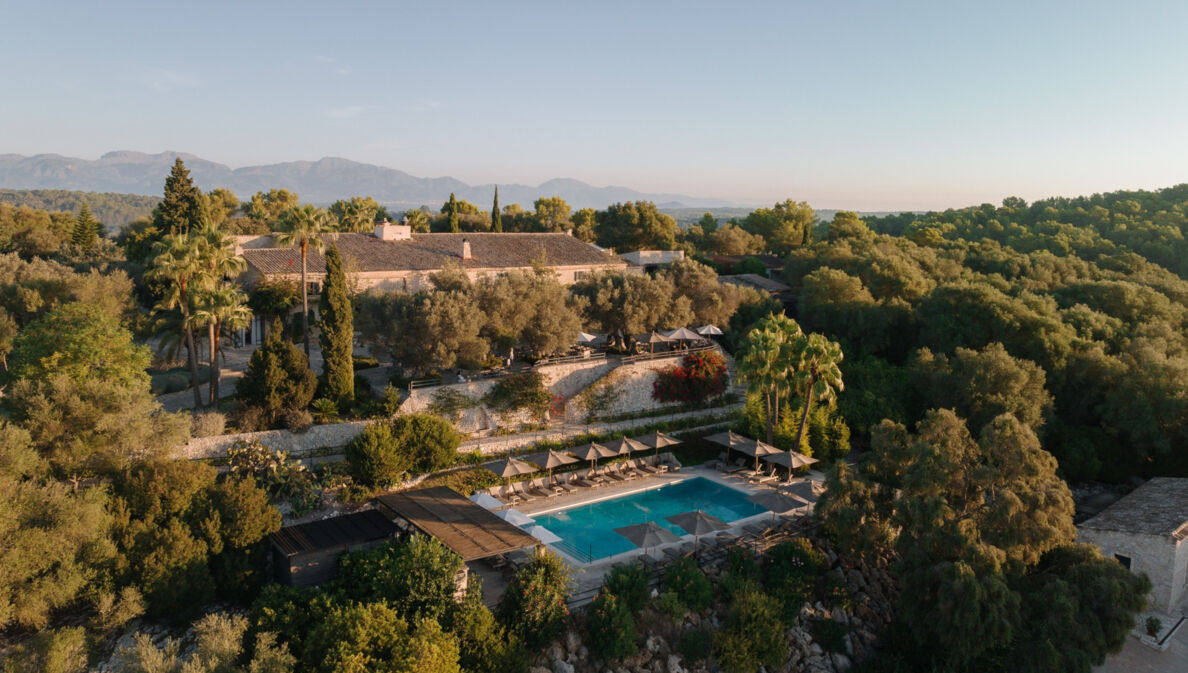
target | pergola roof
[{"x": 469, "y": 530}]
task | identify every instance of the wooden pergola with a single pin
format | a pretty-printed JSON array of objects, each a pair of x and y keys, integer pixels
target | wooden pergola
[{"x": 469, "y": 530}]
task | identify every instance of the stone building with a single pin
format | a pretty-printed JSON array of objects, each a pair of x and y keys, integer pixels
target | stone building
[
  {"x": 1145, "y": 531},
  {"x": 393, "y": 258}
]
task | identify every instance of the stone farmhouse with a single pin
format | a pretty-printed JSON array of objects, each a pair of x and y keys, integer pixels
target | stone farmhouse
[
  {"x": 1146, "y": 531},
  {"x": 393, "y": 258}
]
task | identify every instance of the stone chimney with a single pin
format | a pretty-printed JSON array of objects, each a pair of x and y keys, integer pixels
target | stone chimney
[
  {"x": 386, "y": 231},
  {"x": 466, "y": 249}
]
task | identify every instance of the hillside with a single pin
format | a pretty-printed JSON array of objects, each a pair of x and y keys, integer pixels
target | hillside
[
  {"x": 323, "y": 181},
  {"x": 112, "y": 209}
]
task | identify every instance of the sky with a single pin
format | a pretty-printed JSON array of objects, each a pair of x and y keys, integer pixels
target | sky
[{"x": 856, "y": 105}]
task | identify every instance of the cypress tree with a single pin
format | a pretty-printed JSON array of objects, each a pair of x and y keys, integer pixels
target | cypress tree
[
  {"x": 184, "y": 205},
  {"x": 338, "y": 333},
  {"x": 496, "y": 220},
  {"x": 453, "y": 214},
  {"x": 86, "y": 229}
]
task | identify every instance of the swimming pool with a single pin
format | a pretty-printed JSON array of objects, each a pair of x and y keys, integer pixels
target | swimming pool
[{"x": 587, "y": 532}]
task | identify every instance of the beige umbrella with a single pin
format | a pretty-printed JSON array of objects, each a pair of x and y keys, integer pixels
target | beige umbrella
[
  {"x": 624, "y": 446},
  {"x": 757, "y": 449},
  {"x": 790, "y": 459},
  {"x": 510, "y": 467},
  {"x": 647, "y": 534},
  {"x": 552, "y": 459},
  {"x": 697, "y": 523},
  {"x": 683, "y": 334},
  {"x": 592, "y": 452},
  {"x": 802, "y": 490},
  {"x": 709, "y": 330},
  {"x": 652, "y": 339},
  {"x": 776, "y": 502},
  {"x": 657, "y": 440}
]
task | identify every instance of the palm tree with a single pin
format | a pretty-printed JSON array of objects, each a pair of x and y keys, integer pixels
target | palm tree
[
  {"x": 179, "y": 263},
  {"x": 219, "y": 308},
  {"x": 305, "y": 226},
  {"x": 218, "y": 255},
  {"x": 819, "y": 375},
  {"x": 767, "y": 357}
]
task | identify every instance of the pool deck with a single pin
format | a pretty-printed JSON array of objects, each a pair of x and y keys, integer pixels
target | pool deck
[{"x": 589, "y": 575}]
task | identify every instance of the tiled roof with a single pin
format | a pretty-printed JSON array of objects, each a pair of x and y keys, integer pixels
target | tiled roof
[
  {"x": 1158, "y": 507},
  {"x": 429, "y": 252},
  {"x": 756, "y": 281}
]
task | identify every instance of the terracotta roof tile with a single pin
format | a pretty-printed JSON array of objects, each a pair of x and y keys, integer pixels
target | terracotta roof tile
[{"x": 429, "y": 252}]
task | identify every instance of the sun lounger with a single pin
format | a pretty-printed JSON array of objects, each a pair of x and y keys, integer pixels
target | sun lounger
[
  {"x": 641, "y": 466},
  {"x": 611, "y": 475},
  {"x": 565, "y": 484},
  {"x": 523, "y": 492}
]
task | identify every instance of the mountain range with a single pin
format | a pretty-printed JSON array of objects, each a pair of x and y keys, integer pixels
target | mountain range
[{"x": 323, "y": 181}]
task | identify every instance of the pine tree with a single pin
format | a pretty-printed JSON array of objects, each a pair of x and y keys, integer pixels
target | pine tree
[
  {"x": 338, "y": 333},
  {"x": 496, "y": 220},
  {"x": 86, "y": 229},
  {"x": 184, "y": 206},
  {"x": 453, "y": 214}
]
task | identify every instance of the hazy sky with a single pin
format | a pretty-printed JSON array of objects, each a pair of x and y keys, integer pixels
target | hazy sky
[{"x": 864, "y": 105}]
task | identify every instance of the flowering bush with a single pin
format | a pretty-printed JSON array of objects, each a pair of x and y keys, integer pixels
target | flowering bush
[
  {"x": 533, "y": 607},
  {"x": 611, "y": 627},
  {"x": 686, "y": 580},
  {"x": 701, "y": 376}
]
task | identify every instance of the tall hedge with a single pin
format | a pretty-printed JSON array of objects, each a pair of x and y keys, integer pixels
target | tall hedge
[{"x": 278, "y": 378}]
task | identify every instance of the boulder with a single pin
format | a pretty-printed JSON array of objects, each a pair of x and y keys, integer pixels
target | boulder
[
  {"x": 562, "y": 666},
  {"x": 674, "y": 664}
]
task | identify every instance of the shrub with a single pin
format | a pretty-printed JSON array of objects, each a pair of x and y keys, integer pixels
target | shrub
[
  {"x": 273, "y": 472},
  {"x": 630, "y": 583},
  {"x": 430, "y": 442},
  {"x": 297, "y": 420},
  {"x": 753, "y": 634},
  {"x": 364, "y": 362},
  {"x": 1154, "y": 626},
  {"x": 533, "y": 607},
  {"x": 694, "y": 644},
  {"x": 414, "y": 577},
  {"x": 324, "y": 410},
  {"x": 685, "y": 579},
  {"x": 208, "y": 424},
  {"x": 742, "y": 572},
  {"x": 278, "y": 378},
  {"x": 701, "y": 376},
  {"x": 520, "y": 391},
  {"x": 450, "y": 403},
  {"x": 610, "y": 626},
  {"x": 789, "y": 571},
  {"x": 392, "y": 400},
  {"x": 373, "y": 456},
  {"x": 251, "y": 419},
  {"x": 483, "y": 644},
  {"x": 670, "y": 604}
]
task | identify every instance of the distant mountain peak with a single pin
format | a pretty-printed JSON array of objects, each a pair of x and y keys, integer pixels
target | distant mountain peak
[{"x": 323, "y": 181}]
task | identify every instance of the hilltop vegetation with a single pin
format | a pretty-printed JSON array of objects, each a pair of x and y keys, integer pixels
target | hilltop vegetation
[{"x": 114, "y": 210}]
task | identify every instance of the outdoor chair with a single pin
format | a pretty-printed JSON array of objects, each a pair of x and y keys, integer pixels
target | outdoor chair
[
  {"x": 645, "y": 468},
  {"x": 766, "y": 477},
  {"x": 524, "y": 493},
  {"x": 565, "y": 483},
  {"x": 611, "y": 473},
  {"x": 538, "y": 488}
]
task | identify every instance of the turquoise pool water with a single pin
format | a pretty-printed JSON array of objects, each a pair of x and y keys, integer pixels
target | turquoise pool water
[{"x": 587, "y": 532}]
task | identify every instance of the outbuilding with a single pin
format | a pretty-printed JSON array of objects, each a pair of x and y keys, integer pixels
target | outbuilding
[
  {"x": 1145, "y": 531},
  {"x": 307, "y": 554}
]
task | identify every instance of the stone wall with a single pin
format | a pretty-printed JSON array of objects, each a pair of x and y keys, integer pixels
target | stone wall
[
  {"x": 1160, "y": 557},
  {"x": 297, "y": 445}
]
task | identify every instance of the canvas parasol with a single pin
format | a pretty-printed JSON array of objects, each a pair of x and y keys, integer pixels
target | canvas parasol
[
  {"x": 543, "y": 534},
  {"x": 776, "y": 502},
  {"x": 697, "y": 523},
  {"x": 510, "y": 467},
  {"x": 757, "y": 449},
  {"x": 515, "y": 517},
  {"x": 647, "y": 534},
  {"x": 624, "y": 446},
  {"x": 486, "y": 501},
  {"x": 802, "y": 490},
  {"x": 709, "y": 330},
  {"x": 657, "y": 440},
  {"x": 683, "y": 334},
  {"x": 587, "y": 338},
  {"x": 790, "y": 459},
  {"x": 552, "y": 459},
  {"x": 592, "y": 452},
  {"x": 651, "y": 339}
]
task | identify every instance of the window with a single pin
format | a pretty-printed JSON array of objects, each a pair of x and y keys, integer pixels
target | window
[
  {"x": 580, "y": 275},
  {"x": 1124, "y": 560},
  {"x": 313, "y": 287}
]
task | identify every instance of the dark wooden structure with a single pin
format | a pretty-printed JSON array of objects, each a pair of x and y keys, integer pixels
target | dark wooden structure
[
  {"x": 469, "y": 530},
  {"x": 307, "y": 554}
]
